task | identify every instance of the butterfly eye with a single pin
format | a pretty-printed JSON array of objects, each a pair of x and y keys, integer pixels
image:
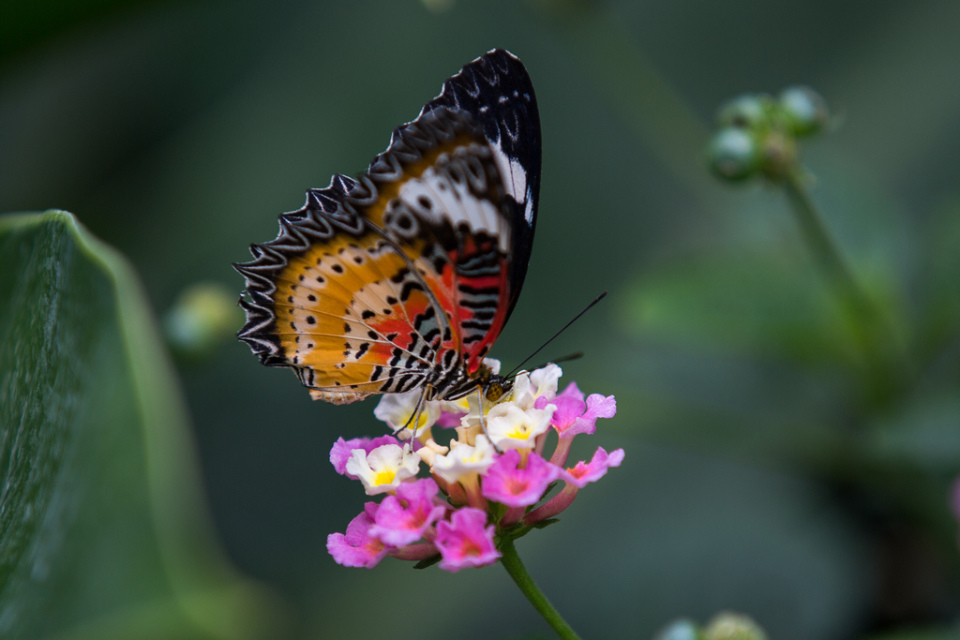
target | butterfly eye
[{"x": 494, "y": 391}]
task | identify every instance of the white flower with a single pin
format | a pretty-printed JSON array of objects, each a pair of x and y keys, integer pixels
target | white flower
[
  {"x": 546, "y": 380},
  {"x": 493, "y": 364},
  {"x": 464, "y": 459},
  {"x": 430, "y": 450},
  {"x": 510, "y": 427},
  {"x": 383, "y": 469},
  {"x": 459, "y": 407},
  {"x": 397, "y": 409},
  {"x": 527, "y": 387}
]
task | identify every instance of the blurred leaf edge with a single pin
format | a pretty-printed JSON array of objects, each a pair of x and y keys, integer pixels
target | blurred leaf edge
[{"x": 205, "y": 593}]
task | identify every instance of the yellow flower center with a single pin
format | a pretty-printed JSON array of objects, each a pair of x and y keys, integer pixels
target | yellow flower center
[
  {"x": 421, "y": 421},
  {"x": 384, "y": 477},
  {"x": 520, "y": 432}
]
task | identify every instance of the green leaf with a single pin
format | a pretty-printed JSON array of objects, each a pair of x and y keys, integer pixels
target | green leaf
[
  {"x": 765, "y": 304},
  {"x": 426, "y": 563},
  {"x": 102, "y": 529},
  {"x": 940, "y": 316}
]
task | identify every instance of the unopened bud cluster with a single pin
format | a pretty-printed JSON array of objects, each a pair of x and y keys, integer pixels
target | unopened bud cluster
[
  {"x": 725, "y": 626},
  {"x": 758, "y": 133}
]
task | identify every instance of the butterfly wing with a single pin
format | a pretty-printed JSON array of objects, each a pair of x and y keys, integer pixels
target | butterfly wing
[
  {"x": 496, "y": 89},
  {"x": 324, "y": 298},
  {"x": 405, "y": 276}
]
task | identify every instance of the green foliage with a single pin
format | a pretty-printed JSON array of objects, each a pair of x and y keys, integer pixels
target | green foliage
[
  {"x": 763, "y": 303},
  {"x": 104, "y": 535}
]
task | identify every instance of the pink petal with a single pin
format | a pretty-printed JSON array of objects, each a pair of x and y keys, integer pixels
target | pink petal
[
  {"x": 448, "y": 419},
  {"x": 572, "y": 391},
  {"x": 580, "y": 425},
  {"x": 600, "y": 406},
  {"x": 340, "y": 452},
  {"x": 464, "y": 541},
  {"x": 584, "y": 473},
  {"x": 568, "y": 410},
  {"x": 955, "y": 502},
  {"x": 402, "y": 519},
  {"x": 356, "y": 548},
  {"x": 507, "y": 483}
]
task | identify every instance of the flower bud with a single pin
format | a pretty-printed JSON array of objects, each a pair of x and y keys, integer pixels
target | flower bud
[
  {"x": 733, "y": 626},
  {"x": 733, "y": 154},
  {"x": 804, "y": 109},
  {"x": 680, "y": 630},
  {"x": 749, "y": 111},
  {"x": 202, "y": 317},
  {"x": 778, "y": 155}
]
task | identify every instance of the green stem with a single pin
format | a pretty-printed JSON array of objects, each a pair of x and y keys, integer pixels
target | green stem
[
  {"x": 888, "y": 366},
  {"x": 513, "y": 565},
  {"x": 824, "y": 249}
]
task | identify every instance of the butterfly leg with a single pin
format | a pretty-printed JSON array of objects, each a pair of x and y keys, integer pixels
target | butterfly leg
[{"x": 415, "y": 416}]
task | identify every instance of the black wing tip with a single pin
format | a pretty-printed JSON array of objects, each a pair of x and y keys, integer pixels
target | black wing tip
[
  {"x": 497, "y": 90},
  {"x": 324, "y": 209},
  {"x": 497, "y": 68}
]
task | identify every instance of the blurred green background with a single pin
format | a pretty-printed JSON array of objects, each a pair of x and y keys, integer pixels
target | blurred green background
[{"x": 178, "y": 131}]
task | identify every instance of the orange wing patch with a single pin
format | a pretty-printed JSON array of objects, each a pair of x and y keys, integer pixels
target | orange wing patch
[{"x": 351, "y": 313}]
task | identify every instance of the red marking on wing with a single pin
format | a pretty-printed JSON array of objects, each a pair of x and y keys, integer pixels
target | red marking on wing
[{"x": 396, "y": 326}]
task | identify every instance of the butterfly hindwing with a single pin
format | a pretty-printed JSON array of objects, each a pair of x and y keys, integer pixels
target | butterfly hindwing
[
  {"x": 406, "y": 276},
  {"x": 346, "y": 312}
]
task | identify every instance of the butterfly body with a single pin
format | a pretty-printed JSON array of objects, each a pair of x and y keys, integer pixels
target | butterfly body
[{"x": 403, "y": 278}]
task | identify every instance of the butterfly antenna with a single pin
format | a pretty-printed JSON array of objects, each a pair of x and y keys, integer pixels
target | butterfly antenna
[
  {"x": 557, "y": 334},
  {"x": 566, "y": 358}
]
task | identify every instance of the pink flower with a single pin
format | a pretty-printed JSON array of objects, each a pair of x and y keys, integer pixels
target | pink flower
[
  {"x": 569, "y": 411},
  {"x": 955, "y": 499},
  {"x": 475, "y": 494},
  {"x": 357, "y": 548},
  {"x": 508, "y": 483},
  {"x": 403, "y": 518},
  {"x": 342, "y": 449},
  {"x": 572, "y": 391},
  {"x": 449, "y": 420},
  {"x": 573, "y": 415},
  {"x": 576, "y": 478},
  {"x": 464, "y": 542},
  {"x": 584, "y": 473}
]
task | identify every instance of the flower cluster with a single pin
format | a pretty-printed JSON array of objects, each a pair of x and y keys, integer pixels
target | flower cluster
[{"x": 489, "y": 481}]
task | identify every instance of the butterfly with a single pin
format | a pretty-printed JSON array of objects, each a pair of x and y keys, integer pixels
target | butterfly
[{"x": 403, "y": 278}]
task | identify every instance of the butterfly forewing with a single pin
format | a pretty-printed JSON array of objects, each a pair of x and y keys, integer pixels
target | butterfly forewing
[
  {"x": 406, "y": 276},
  {"x": 497, "y": 90}
]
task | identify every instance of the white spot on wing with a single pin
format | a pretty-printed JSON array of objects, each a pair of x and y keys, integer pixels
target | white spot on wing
[
  {"x": 457, "y": 205},
  {"x": 512, "y": 173}
]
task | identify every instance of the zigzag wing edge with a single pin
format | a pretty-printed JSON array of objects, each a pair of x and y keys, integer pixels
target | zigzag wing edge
[{"x": 297, "y": 230}]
